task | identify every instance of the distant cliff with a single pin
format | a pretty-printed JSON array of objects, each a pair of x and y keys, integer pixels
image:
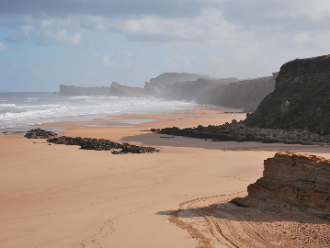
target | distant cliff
[
  {"x": 126, "y": 91},
  {"x": 299, "y": 180},
  {"x": 228, "y": 92},
  {"x": 162, "y": 85},
  {"x": 301, "y": 98},
  {"x": 203, "y": 89},
  {"x": 114, "y": 90},
  {"x": 244, "y": 94},
  {"x": 194, "y": 90},
  {"x": 71, "y": 90}
]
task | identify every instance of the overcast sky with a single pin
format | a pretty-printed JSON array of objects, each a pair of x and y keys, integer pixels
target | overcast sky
[{"x": 93, "y": 42}]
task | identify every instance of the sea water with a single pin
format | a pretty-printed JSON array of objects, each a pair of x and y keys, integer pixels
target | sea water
[{"x": 23, "y": 110}]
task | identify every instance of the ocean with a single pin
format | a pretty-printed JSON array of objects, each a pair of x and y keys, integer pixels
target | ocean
[{"x": 22, "y": 111}]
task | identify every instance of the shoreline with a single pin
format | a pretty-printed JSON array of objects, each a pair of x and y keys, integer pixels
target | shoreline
[
  {"x": 104, "y": 119},
  {"x": 62, "y": 196}
]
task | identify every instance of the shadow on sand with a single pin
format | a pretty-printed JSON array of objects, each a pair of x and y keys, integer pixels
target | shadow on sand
[
  {"x": 155, "y": 139},
  {"x": 233, "y": 212}
]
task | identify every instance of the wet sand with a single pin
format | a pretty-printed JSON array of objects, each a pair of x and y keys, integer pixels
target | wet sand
[{"x": 61, "y": 196}]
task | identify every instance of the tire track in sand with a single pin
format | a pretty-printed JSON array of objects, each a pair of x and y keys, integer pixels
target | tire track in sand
[{"x": 229, "y": 229}]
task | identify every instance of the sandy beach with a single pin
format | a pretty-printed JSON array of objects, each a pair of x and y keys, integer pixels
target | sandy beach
[{"x": 62, "y": 196}]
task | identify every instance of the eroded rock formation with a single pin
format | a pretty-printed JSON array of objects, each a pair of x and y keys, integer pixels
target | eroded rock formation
[{"x": 300, "y": 181}]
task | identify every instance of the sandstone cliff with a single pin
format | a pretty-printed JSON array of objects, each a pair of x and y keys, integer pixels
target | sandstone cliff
[
  {"x": 300, "y": 99},
  {"x": 126, "y": 91},
  {"x": 301, "y": 181}
]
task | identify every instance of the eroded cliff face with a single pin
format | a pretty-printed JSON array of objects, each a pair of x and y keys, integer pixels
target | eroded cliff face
[
  {"x": 126, "y": 91},
  {"x": 300, "y": 99},
  {"x": 301, "y": 181},
  {"x": 195, "y": 90},
  {"x": 244, "y": 94}
]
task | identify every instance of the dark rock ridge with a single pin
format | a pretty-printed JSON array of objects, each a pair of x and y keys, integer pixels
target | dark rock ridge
[
  {"x": 240, "y": 132},
  {"x": 126, "y": 91},
  {"x": 244, "y": 94},
  {"x": 89, "y": 143},
  {"x": 39, "y": 133},
  {"x": 300, "y": 181},
  {"x": 71, "y": 90},
  {"x": 300, "y": 99}
]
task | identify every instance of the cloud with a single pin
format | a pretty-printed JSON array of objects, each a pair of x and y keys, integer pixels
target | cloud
[
  {"x": 208, "y": 28},
  {"x": 315, "y": 10},
  {"x": 3, "y": 47},
  {"x": 47, "y": 31},
  {"x": 47, "y": 37},
  {"x": 235, "y": 23},
  {"x": 313, "y": 40},
  {"x": 106, "y": 60},
  {"x": 109, "y": 8}
]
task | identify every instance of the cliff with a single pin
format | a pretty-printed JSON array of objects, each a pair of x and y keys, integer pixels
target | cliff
[
  {"x": 244, "y": 94},
  {"x": 126, "y": 91},
  {"x": 301, "y": 181},
  {"x": 300, "y": 99},
  {"x": 70, "y": 90},
  {"x": 114, "y": 90},
  {"x": 162, "y": 85},
  {"x": 195, "y": 90}
]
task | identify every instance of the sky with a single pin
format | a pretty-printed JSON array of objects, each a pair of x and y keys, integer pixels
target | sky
[{"x": 45, "y": 43}]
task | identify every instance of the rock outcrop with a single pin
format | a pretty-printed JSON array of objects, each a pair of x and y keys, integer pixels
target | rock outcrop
[
  {"x": 39, "y": 133},
  {"x": 71, "y": 90},
  {"x": 236, "y": 131},
  {"x": 300, "y": 99},
  {"x": 88, "y": 143},
  {"x": 126, "y": 91},
  {"x": 300, "y": 181},
  {"x": 102, "y": 145}
]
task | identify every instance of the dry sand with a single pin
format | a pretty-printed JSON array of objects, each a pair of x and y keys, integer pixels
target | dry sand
[{"x": 61, "y": 196}]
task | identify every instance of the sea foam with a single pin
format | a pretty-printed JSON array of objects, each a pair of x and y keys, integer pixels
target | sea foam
[{"x": 20, "y": 110}]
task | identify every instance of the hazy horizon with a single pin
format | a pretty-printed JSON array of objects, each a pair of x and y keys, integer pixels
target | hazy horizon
[{"x": 92, "y": 43}]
